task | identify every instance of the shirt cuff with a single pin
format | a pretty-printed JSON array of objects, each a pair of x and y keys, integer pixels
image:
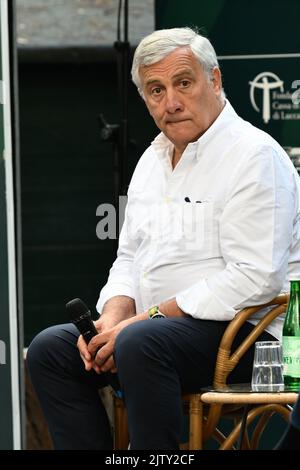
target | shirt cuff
[
  {"x": 200, "y": 302},
  {"x": 110, "y": 291}
]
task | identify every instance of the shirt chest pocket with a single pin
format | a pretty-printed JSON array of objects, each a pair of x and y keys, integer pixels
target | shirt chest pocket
[{"x": 200, "y": 228}]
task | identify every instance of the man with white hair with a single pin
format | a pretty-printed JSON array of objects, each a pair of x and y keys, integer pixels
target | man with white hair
[{"x": 211, "y": 226}]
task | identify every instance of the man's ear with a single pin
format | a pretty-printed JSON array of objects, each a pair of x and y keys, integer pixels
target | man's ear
[{"x": 217, "y": 80}]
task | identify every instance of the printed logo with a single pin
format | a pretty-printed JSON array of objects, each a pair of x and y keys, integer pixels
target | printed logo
[
  {"x": 263, "y": 83},
  {"x": 268, "y": 96}
]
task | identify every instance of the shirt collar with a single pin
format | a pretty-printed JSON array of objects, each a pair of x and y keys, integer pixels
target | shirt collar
[{"x": 164, "y": 147}]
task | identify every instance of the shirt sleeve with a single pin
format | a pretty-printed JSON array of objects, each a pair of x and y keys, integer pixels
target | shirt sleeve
[
  {"x": 120, "y": 279},
  {"x": 255, "y": 234}
]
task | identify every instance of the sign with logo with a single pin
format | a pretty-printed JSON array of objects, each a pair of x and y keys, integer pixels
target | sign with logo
[
  {"x": 10, "y": 434},
  {"x": 276, "y": 104},
  {"x": 260, "y": 65},
  {"x": 268, "y": 95},
  {"x": 265, "y": 81}
]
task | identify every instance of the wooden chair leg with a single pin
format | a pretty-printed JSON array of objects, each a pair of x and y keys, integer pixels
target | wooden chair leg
[
  {"x": 196, "y": 416},
  {"x": 121, "y": 435}
]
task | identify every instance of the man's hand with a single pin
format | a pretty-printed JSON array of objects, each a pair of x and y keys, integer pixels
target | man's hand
[
  {"x": 102, "y": 346},
  {"x": 105, "y": 322},
  {"x": 114, "y": 311},
  {"x": 109, "y": 330},
  {"x": 98, "y": 355},
  {"x": 103, "y": 360}
]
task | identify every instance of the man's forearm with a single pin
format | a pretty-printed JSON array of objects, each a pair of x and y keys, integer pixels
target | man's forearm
[
  {"x": 119, "y": 307},
  {"x": 171, "y": 309}
]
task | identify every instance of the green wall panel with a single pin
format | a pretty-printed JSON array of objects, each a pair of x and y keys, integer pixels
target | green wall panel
[
  {"x": 235, "y": 26},
  {"x": 252, "y": 39}
]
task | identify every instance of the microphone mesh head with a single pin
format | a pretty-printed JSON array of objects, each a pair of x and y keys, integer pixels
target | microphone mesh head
[{"x": 76, "y": 308}]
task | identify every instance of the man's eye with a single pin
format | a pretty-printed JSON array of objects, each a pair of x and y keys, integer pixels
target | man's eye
[
  {"x": 184, "y": 83},
  {"x": 156, "y": 91}
]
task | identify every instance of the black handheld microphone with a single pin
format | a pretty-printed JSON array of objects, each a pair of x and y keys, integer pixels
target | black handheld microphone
[{"x": 80, "y": 315}]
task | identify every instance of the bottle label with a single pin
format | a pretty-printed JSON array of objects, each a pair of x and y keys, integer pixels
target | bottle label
[{"x": 291, "y": 356}]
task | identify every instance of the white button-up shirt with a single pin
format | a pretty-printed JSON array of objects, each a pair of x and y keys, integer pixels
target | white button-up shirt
[{"x": 218, "y": 233}]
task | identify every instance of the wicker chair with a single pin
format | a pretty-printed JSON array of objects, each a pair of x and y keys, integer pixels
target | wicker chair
[{"x": 203, "y": 420}]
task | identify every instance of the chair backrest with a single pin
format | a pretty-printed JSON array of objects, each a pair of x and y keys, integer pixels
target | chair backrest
[{"x": 227, "y": 359}]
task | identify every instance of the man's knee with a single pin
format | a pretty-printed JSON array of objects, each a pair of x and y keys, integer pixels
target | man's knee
[
  {"x": 135, "y": 342},
  {"x": 39, "y": 347},
  {"x": 126, "y": 340},
  {"x": 128, "y": 344},
  {"x": 46, "y": 347}
]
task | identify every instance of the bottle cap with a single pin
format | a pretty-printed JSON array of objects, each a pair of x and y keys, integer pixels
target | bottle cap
[{"x": 294, "y": 277}]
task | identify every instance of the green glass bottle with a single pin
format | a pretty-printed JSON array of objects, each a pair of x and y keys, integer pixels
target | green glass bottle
[{"x": 291, "y": 338}]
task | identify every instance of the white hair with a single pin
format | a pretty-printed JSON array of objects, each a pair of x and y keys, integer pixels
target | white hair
[{"x": 157, "y": 45}]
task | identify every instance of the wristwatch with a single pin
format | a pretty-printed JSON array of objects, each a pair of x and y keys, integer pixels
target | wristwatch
[{"x": 154, "y": 312}]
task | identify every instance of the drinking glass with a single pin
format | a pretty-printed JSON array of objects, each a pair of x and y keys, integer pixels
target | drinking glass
[{"x": 267, "y": 375}]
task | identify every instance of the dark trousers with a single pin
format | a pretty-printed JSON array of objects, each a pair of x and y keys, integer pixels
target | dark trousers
[{"x": 157, "y": 360}]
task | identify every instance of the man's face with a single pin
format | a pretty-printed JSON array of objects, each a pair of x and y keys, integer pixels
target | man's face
[{"x": 179, "y": 96}]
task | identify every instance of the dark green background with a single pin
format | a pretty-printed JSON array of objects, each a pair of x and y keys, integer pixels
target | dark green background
[
  {"x": 237, "y": 26},
  {"x": 240, "y": 28}
]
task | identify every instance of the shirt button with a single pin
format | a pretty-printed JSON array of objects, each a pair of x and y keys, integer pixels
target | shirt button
[
  {"x": 145, "y": 274},
  {"x": 168, "y": 199}
]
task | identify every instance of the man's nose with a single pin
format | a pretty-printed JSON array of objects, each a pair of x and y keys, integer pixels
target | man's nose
[{"x": 173, "y": 102}]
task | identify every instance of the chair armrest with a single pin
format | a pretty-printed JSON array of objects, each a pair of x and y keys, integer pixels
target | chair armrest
[{"x": 227, "y": 361}]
